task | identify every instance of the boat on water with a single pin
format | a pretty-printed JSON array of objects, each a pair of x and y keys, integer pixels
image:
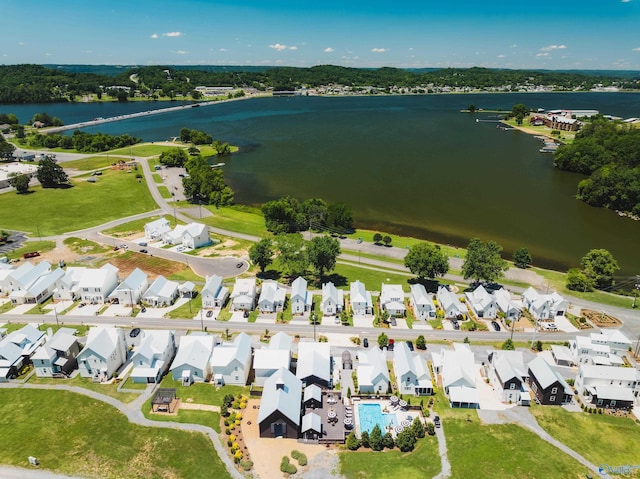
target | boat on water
[{"x": 217, "y": 165}]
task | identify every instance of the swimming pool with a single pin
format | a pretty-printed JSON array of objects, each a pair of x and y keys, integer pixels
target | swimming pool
[{"x": 371, "y": 414}]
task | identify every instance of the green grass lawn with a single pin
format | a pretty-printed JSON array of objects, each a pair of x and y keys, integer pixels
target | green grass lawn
[
  {"x": 144, "y": 150},
  {"x": 600, "y": 438},
  {"x": 242, "y": 220},
  {"x": 73, "y": 434},
  {"x": 423, "y": 461},
  {"x": 202, "y": 393},
  {"x": 136, "y": 226},
  {"x": 78, "y": 381},
  {"x": 55, "y": 211},
  {"x": 191, "y": 416},
  {"x": 90, "y": 163},
  {"x": 164, "y": 191},
  {"x": 188, "y": 310},
  {"x": 83, "y": 246},
  {"x": 30, "y": 246}
]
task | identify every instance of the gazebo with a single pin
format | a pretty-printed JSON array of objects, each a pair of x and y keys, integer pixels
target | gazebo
[{"x": 164, "y": 400}]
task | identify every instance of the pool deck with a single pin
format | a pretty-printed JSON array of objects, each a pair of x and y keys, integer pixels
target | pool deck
[
  {"x": 332, "y": 430},
  {"x": 402, "y": 415}
]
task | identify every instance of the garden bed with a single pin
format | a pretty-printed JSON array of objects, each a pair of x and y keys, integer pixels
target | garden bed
[{"x": 600, "y": 318}]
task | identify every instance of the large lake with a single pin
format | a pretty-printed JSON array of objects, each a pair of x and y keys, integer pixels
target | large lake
[{"x": 408, "y": 164}]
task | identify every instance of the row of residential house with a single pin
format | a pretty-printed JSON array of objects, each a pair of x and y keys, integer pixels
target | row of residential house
[{"x": 190, "y": 236}]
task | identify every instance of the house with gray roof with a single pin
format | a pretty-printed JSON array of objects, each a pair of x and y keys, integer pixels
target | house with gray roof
[
  {"x": 507, "y": 373},
  {"x": 214, "y": 294},
  {"x": 280, "y": 407},
  {"x": 543, "y": 306},
  {"x": 243, "y": 297},
  {"x": 608, "y": 386},
  {"x": 301, "y": 298},
  {"x": 231, "y": 362},
  {"x": 312, "y": 397},
  {"x": 192, "y": 236},
  {"x": 38, "y": 290},
  {"x": 162, "y": 292},
  {"x": 360, "y": 299},
  {"x": 5, "y": 272},
  {"x": 96, "y": 285},
  {"x": 311, "y": 427},
  {"x": 16, "y": 349},
  {"x": 450, "y": 304},
  {"x": 332, "y": 300},
  {"x": 129, "y": 292},
  {"x": 274, "y": 356},
  {"x": 457, "y": 368},
  {"x": 66, "y": 288},
  {"x": 411, "y": 371},
  {"x": 547, "y": 385},
  {"x": 314, "y": 363},
  {"x": 272, "y": 297},
  {"x": 193, "y": 358},
  {"x": 372, "y": 372},
  {"x": 392, "y": 299},
  {"x": 58, "y": 355},
  {"x": 421, "y": 302},
  {"x": 482, "y": 303},
  {"x": 155, "y": 229},
  {"x": 103, "y": 354},
  {"x": 153, "y": 356},
  {"x": 512, "y": 309}
]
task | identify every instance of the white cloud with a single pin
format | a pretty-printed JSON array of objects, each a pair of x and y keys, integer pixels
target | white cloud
[
  {"x": 379, "y": 50},
  {"x": 172, "y": 34},
  {"x": 636, "y": 49},
  {"x": 328, "y": 50},
  {"x": 182, "y": 52},
  {"x": 155, "y": 35},
  {"x": 553, "y": 47},
  {"x": 501, "y": 56},
  {"x": 514, "y": 46},
  {"x": 625, "y": 1},
  {"x": 278, "y": 46},
  {"x": 542, "y": 55},
  {"x": 223, "y": 50},
  {"x": 21, "y": 44},
  {"x": 292, "y": 48}
]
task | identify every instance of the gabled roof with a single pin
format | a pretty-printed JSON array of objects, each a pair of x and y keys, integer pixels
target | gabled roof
[
  {"x": 314, "y": 359},
  {"x": 281, "y": 340},
  {"x": 614, "y": 393},
  {"x": 448, "y": 300},
  {"x": 330, "y": 292},
  {"x": 159, "y": 226},
  {"x": 420, "y": 295},
  {"x": 612, "y": 373},
  {"x": 195, "y": 229},
  {"x": 504, "y": 301},
  {"x": 270, "y": 359},
  {"x": 212, "y": 285},
  {"x": 135, "y": 280},
  {"x": 311, "y": 422},
  {"x": 391, "y": 293},
  {"x": 312, "y": 391},
  {"x": 162, "y": 288},
  {"x": 239, "y": 350},
  {"x": 194, "y": 351},
  {"x": 102, "y": 341},
  {"x": 615, "y": 336},
  {"x": 62, "y": 340},
  {"x": 96, "y": 278},
  {"x": 458, "y": 366},
  {"x": 299, "y": 289},
  {"x": 271, "y": 292},
  {"x": 480, "y": 299},
  {"x": 403, "y": 361},
  {"x": 153, "y": 344},
  {"x": 282, "y": 392},
  {"x": 372, "y": 366},
  {"x": 358, "y": 292},
  {"x": 545, "y": 374},
  {"x": 244, "y": 286}
]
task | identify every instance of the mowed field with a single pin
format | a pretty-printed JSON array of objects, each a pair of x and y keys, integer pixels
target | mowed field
[{"x": 53, "y": 211}]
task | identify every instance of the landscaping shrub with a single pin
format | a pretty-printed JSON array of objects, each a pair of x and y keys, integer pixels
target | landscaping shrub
[
  {"x": 353, "y": 443},
  {"x": 287, "y": 467},
  {"x": 246, "y": 465},
  {"x": 300, "y": 457}
]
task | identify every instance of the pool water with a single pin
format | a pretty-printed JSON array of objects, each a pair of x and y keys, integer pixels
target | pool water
[{"x": 371, "y": 414}]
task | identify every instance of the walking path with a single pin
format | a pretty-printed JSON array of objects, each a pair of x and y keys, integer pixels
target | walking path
[
  {"x": 133, "y": 412},
  {"x": 442, "y": 450}
]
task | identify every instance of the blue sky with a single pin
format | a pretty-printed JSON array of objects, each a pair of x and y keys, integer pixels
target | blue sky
[{"x": 565, "y": 34}]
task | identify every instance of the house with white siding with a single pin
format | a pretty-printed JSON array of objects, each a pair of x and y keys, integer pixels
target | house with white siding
[
  {"x": 411, "y": 371},
  {"x": 95, "y": 285},
  {"x": 508, "y": 374},
  {"x": 360, "y": 299},
  {"x": 543, "y": 306},
  {"x": 314, "y": 363},
  {"x": 243, "y": 297},
  {"x": 155, "y": 229},
  {"x": 272, "y": 357},
  {"x": 162, "y": 292},
  {"x": 153, "y": 356},
  {"x": 192, "y": 236},
  {"x": 231, "y": 362},
  {"x": 5, "y": 271},
  {"x": 39, "y": 289},
  {"x": 104, "y": 353},
  {"x": 450, "y": 304},
  {"x": 193, "y": 358},
  {"x": 214, "y": 294},
  {"x": 301, "y": 298},
  {"x": 66, "y": 288},
  {"x": 58, "y": 355},
  {"x": 512, "y": 309},
  {"x": 372, "y": 372},
  {"x": 392, "y": 299},
  {"x": 130, "y": 291},
  {"x": 332, "y": 300},
  {"x": 421, "y": 302},
  {"x": 16, "y": 349},
  {"x": 272, "y": 297},
  {"x": 482, "y": 303},
  {"x": 458, "y": 370}
]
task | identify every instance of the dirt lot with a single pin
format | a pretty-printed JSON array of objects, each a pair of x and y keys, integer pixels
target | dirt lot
[{"x": 600, "y": 318}]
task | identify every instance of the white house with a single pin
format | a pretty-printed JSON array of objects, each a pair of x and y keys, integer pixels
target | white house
[
  {"x": 58, "y": 355},
  {"x": 301, "y": 299},
  {"x": 193, "y": 358},
  {"x": 482, "y": 303},
  {"x": 421, "y": 302},
  {"x": 269, "y": 359},
  {"x": 412, "y": 373},
  {"x": 104, "y": 353},
  {"x": 5, "y": 272},
  {"x": 162, "y": 292},
  {"x": 618, "y": 343},
  {"x": 272, "y": 297},
  {"x": 39, "y": 289},
  {"x": 450, "y": 303},
  {"x": 372, "y": 372},
  {"x": 152, "y": 357},
  {"x": 511, "y": 309},
  {"x": 594, "y": 349},
  {"x": 508, "y": 374},
  {"x": 332, "y": 300},
  {"x": 96, "y": 285},
  {"x": 16, "y": 348},
  {"x": 155, "y": 229},
  {"x": 25, "y": 274},
  {"x": 543, "y": 306},
  {"x": 243, "y": 297},
  {"x": 608, "y": 386},
  {"x": 192, "y": 236},
  {"x": 66, "y": 288},
  {"x": 314, "y": 363},
  {"x": 392, "y": 299},
  {"x": 360, "y": 299},
  {"x": 130, "y": 291},
  {"x": 214, "y": 294},
  {"x": 457, "y": 366},
  {"x": 231, "y": 362}
]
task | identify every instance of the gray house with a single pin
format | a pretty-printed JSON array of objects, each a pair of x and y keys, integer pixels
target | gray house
[{"x": 58, "y": 355}]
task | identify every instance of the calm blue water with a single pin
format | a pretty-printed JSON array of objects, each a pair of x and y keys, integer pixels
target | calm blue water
[
  {"x": 371, "y": 414},
  {"x": 412, "y": 165}
]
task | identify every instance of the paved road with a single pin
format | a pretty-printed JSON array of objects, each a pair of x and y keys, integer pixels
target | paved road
[{"x": 8, "y": 472}]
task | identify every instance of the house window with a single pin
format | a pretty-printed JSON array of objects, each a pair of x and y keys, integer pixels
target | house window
[
  {"x": 512, "y": 386},
  {"x": 552, "y": 399},
  {"x": 554, "y": 391},
  {"x": 599, "y": 402},
  {"x": 613, "y": 403}
]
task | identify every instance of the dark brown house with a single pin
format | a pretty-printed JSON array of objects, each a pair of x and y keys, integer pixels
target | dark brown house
[
  {"x": 280, "y": 406},
  {"x": 547, "y": 386}
]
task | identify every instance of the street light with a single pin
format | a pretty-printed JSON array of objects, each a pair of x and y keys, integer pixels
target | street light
[
  {"x": 313, "y": 320},
  {"x": 55, "y": 311},
  {"x": 201, "y": 321}
]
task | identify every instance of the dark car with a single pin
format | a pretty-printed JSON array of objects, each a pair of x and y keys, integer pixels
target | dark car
[
  {"x": 495, "y": 325},
  {"x": 436, "y": 421},
  {"x": 134, "y": 332},
  {"x": 246, "y": 314},
  {"x": 143, "y": 251},
  {"x": 410, "y": 345},
  {"x": 393, "y": 322},
  {"x": 365, "y": 342},
  {"x": 209, "y": 314},
  {"x": 239, "y": 265},
  {"x": 455, "y": 323}
]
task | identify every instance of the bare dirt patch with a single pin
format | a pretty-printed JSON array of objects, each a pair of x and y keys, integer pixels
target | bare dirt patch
[
  {"x": 228, "y": 247},
  {"x": 153, "y": 266},
  {"x": 600, "y": 318}
]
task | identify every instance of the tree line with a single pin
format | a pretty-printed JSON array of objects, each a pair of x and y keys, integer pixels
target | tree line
[
  {"x": 82, "y": 141},
  {"x": 288, "y": 215},
  {"x": 39, "y": 84}
]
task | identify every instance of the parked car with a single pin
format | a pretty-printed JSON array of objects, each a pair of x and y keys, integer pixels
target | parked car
[
  {"x": 143, "y": 309},
  {"x": 410, "y": 345},
  {"x": 455, "y": 323},
  {"x": 143, "y": 251},
  {"x": 495, "y": 325},
  {"x": 134, "y": 332},
  {"x": 246, "y": 314},
  {"x": 143, "y": 244},
  {"x": 365, "y": 342},
  {"x": 436, "y": 421},
  {"x": 391, "y": 345},
  {"x": 239, "y": 265},
  {"x": 209, "y": 314}
]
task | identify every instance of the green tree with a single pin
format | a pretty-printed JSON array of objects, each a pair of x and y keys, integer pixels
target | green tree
[
  {"x": 522, "y": 258},
  {"x": 222, "y": 147},
  {"x": 377, "y": 238},
  {"x": 519, "y": 109},
  {"x": 431, "y": 429},
  {"x": 406, "y": 440},
  {"x": 418, "y": 428},
  {"x": 4, "y": 236},
  {"x": 205, "y": 185},
  {"x": 483, "y": 261},
  {"x": 340, "y": 217},
  {"x": 292, "y": 254},
  {"x": 284, "y": 215},
  {"x": 323, "y": 251},
  {"x": 387, "y": 441},
  {"x": 508, "y": 345},
  {"x": 538, "y": 346},
  {"x": 20, "y": 182},
  {"x": 261, "y": 253},
  {"x": 50, "y": 174},
  {"x": 353, "y": 443},
  {"x": 472, "y": 108},
  {"x": 364, "y": 439},
  {"x": 426, "y": 260},
  {"x": 383, "y": 340},
  {"x": 315, "y": 213},
  {"x": 185, "y": 135},
  {"x": 174, "y": 157},
  {"x": 577, "y": 280},
  {"x": 386, "y": 239},
  {"x": 6, "y": 149},
  {"x": 375, "y": 438},
  {"x": 599, "y": 265},
  {"x": 421, "y": 344}
]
